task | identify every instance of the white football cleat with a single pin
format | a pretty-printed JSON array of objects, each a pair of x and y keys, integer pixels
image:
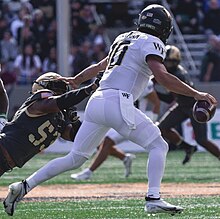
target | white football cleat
[
  {"x": 127, "y": 163},
  {"x": 154, "y": 206},
  {"x": 84, "y": 175},
  {"x": 16, "y": 192}
]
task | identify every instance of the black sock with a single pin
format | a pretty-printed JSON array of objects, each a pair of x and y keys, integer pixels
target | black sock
[
  {"x": 150, "y": 199},
  {"x": 184, "y": 145}
]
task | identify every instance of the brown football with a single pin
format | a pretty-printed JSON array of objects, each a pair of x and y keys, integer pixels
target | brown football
[{"x": 203, "y": 111}]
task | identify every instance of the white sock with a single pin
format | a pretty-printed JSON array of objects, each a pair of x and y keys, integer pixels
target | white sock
[
  {"x": 54, "y": 168},
  {"x": 87, "y": 171},
  {"x": 156, "y": 166}
]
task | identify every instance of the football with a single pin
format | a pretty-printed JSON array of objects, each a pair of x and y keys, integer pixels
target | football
[{"x": 203, "y": 111}]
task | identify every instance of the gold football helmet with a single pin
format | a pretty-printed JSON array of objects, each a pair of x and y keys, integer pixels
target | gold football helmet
[
  {"x": 50, "y": 81},
  {"x": 173, "y": 57}
]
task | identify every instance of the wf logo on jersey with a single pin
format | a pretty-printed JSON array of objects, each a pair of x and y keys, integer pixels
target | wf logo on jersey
[
  {"x": 159, "y": 47},
  {"x": 126, "y": 95}
]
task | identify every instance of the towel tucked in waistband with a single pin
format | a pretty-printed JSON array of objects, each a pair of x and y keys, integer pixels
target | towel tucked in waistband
[{"x": 127, "y": 108}]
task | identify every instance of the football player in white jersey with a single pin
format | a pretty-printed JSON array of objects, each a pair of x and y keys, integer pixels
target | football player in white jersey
[
  {"x": 113, "y": 138},
  {"x": 134, "y": 57}
]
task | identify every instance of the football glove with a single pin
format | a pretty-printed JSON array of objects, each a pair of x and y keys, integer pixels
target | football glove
[
  {"x": 72, "y": 114},
  {"x": 98, "y": 78},
  {"x": 91, "y": 88}
]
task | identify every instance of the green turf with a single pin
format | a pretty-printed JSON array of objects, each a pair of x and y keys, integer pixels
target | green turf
[
  {"x": 202, "y": 208},
  {"x": 202, "y": 168}
]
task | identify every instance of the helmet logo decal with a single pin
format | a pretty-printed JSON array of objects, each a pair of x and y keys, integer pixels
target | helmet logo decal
[
  {"x": 144, "y": 17},
  {"x": 148, "y": 26},
  {"x": 157, "y": 21},
  {"x": 149, "y": 14}
]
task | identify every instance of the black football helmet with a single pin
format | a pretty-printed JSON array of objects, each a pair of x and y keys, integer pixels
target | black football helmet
[
  {"x": 155, "y": 20},
  {"x": 49, "y": 81}
]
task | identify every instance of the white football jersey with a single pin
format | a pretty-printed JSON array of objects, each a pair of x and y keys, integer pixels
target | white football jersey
[
  {"x": 127, "y": 68},
  {"x": 143, "y": 101},
  {"x": 149, "y": 89}
]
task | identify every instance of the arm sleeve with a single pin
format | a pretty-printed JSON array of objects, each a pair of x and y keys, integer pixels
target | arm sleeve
[{"x": 73, "y": 97}]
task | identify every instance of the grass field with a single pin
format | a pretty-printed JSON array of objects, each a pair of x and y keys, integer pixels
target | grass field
[{"x": 203, "y": 168}]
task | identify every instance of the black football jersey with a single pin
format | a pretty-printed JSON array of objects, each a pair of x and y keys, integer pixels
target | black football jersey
[
  {"x": 27, "y": 134},
  {"x": 182, "y": 74}
]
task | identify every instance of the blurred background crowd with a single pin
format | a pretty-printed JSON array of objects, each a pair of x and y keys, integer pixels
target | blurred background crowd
[{"x": 28, "y": 34}]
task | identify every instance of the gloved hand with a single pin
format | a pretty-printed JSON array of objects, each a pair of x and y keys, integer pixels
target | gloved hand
[
  {"x": 92, "y": 87},
  {"x": 98, "y": 78},
  {"x": 72, "y": 114}
]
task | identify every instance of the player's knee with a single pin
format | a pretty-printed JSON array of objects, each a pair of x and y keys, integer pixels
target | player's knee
[
  {"x": 160, "y": 143},
  {"x": 201, "y": 141},
  {"x": 76, "y": 160},
  {"x": 164, "y": 145}
]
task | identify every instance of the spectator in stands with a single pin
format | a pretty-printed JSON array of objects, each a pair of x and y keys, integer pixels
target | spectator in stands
[
  {"x": 186, "y": 15},
  {"x": 7, "y": 14},
  {"x": 82, "y": 58},
  {"x": 211, "y": 62},
  {"x": 27, "y": 65},
  {"x": 98, "y": 43},
  {"x": 18, "y": 22},
  {"x": 3, "y": 27},
  {"x": 80, "y": 25},
  {"x": 50, "y": 63},
  {"x": 39, "y": 28},
  {"x": 98, "y": 52},
  {"x": 49, "y": 40},
  {"x": 211, "y": 18},
  {"x": 74, "y": 49},
  {"x": 24, "y": 34},
  {"x": 75, "y": 7},
  {"x": 48, "y": 7},
  {"x": 27, "y": 5},
  {"x": 87, "y": 15},
  {"x": 9, "y": 51}
]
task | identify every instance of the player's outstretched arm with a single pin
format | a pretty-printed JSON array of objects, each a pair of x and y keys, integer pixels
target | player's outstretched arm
[
  {"x": 88, "y": 73},
  {"x": 65, "y": 101},
  {"x": 173, "y": 84}
]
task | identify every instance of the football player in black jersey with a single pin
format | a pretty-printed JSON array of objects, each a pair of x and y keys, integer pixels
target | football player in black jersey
[
  {"x": 182, "y": 110},
  {"x": 4, "y": 103},
  {"x": 47, "y": 114}
]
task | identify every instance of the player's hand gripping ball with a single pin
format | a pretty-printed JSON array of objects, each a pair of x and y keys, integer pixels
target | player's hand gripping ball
[{"x": 203, "y": 111}]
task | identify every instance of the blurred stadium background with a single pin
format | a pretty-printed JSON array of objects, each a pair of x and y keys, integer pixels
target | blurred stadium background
[{"x": 66, "y": 36}]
